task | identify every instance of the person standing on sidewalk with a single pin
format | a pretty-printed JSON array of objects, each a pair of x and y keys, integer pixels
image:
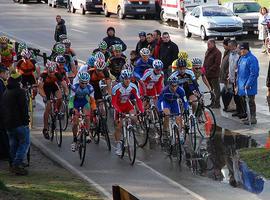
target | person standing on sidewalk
[
  {"x": 261, "y": 28},
  {"x": 247, "y": 79},
  {"x": 211, "y": 64},
  {"x": 60, "y": 28},
  {"x": 16, "y": 122},
  {"x": 158, "y": 41},
  {"x": 142, "y": 43}
]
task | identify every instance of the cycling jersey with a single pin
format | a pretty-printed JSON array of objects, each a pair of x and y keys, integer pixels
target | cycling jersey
[
  {"x": 26, "y": 67},
  {"x": 71, "y": 52},
  {"x": 115, "y": 64},
  {"x": 7, "y": 56},
  {"x": 153, "y": 83},
  {"x": 122, "y": 97},
  {"x": 62, "y": 71},
  {"x": 83, "y": 68},
  {"x": 141, "y": 66},
  {"x": 68, "y": 64},
  {"x": 174, "y": 67},
  {"x": 199, "y": 72},
  {"x": 169, "y": 99},
  {"x": 50, "y": 83}
]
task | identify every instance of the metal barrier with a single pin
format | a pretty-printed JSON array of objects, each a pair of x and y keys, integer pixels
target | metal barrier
[{"x": 120, "y": 193}]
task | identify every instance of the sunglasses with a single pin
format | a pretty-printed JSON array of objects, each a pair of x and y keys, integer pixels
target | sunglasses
[
  {"x": 83, "y": 83},
  {"x": 174, "y": 85}
]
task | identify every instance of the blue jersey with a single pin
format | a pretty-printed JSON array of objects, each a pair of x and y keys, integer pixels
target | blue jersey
[
  {"x": 187, "y": 80},
  {"x": 82, "y": 93},
  {"x": 141, "y": 66},
  {"x": 170, "y": 97}
]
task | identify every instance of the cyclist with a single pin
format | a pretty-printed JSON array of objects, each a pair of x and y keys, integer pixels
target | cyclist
[
  {"x": 125, "y": 98},
  {"x": 60, "y": 61},
  {"x": 143, "y": 63},
  {"x": 7, "y": 52},
  {"x": 70, "y": 51},
  {"x": 168, "y": 102},
  {"x": 99, "y": 56},
  {"x": 182, "y": 55},
  {"x": 83, "y": 97},
  {"x": 21, "y": 47},
  {"x": 199, "y": 71},
  {"x": 116, "y": 61},
  {"x": 151, "y": 83},
  {"x": 27, "y": 67},
  {"x": 103, "y": 47},
  {"x": 58, "y": 49},
  {"x": 48, "y": 86}
]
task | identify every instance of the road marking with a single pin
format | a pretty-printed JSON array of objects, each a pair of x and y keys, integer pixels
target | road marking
[{"x": 76, "y": 30}]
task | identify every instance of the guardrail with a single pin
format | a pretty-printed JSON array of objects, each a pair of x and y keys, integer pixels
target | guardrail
[{"x": 120, "y": 193}]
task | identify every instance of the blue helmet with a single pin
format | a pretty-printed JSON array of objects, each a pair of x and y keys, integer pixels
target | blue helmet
[
  {"x": 84, "y": 77},
  {"x": 60, "y": 59},
  {"x": 173, "y": 80},
  {"x": 91, "y": 61},
  {"x": 181, "y": 63},
  {"x": 125, "y": 74},
  {"x": 157, "y": 64}
]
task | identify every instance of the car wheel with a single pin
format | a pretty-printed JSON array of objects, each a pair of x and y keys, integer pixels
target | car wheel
[
  {"x": 120, "y": 13},
  {"x": 16, "y": 1},
  {"x": 82, "y": 10},
  {"x": 186, "y": 31},
  {"x": 53, "y": 5},
  {"x": 203, "y": 33},
  {"x": 162, "y": 16},
  {"x": 106, "y": 12},
  {"x": 73, "y": 10}
]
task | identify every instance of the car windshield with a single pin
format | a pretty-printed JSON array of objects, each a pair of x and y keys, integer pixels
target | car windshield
[
  {"x": 246, "y": 7},
  {"x": 215, "y": 11}
]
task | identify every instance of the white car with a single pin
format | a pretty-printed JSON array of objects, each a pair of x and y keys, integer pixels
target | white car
[
  {"x": 86, "y": 5},
  {"x": 55, "y": 3},
  {"x": 212, "y": 21}
]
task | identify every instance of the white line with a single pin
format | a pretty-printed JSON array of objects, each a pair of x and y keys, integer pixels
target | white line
[{"x": 76, "y": 30}]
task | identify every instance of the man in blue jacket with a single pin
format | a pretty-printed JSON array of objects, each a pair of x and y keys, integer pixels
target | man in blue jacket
[{"x": 247, "y": 79}]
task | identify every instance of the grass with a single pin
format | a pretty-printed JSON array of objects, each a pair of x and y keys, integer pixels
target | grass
[{"x": 257, "y": 159}]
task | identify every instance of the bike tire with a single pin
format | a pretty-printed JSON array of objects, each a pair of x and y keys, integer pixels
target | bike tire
[
  {"x": 82, "y": 147},
  {"x": 66, "y": 115},
  {"x": 105, "y": 132},
  {"x": 192, "y": 132},
  {"x": 59, "y": 131},
  {"x": 142, "y": 133},
  {"x": 177, "y": 144},
  {"x": 131, "y": 145},
  {"x": 201, "y": 120},
  {"x": 31, "y": 114},
  {"x": 51, "y": 125}
]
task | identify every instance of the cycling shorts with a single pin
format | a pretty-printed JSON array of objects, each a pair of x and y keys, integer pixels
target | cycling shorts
[
  {"x": 50, "y": 90},
  {"x": 97, "y": 92},
  {"x": 125, "y": 108},
  {"x": 173, "y": 106},
  {"x": 28, "y": 79},
  {"x": 81, "y": 103}
]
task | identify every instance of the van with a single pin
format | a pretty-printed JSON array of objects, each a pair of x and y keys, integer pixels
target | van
[
  {"x": 129, "y": 7},
  {"x": 86, "y": 5},
  {"x": 175, "y": 9}
]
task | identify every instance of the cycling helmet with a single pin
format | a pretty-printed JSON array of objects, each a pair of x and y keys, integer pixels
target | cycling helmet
[
  {"x": 60, "y": 59},
  {"x": 100, "y": 64},
  {"x": 84, "y": 77},
  {"x": 60, "y": 49},
  {"x": 62, "y": 37},
  {"x": 91, "y": 61},
  {"x": 125, "y": 74},
  {"x": 181, "y": 63},
  {"x": 51, "y": 66},
  {"x": 22, "y": 46},
  {"x": 183, "y": 55},
  {"x": 173, "y": 80},
  {"x": 99, "y": 55},
  {"x": 26, "y": 54},
  {"x": 157, "y": 64},
  {"x": 4, "y": 39},
  {"x": 103, "y": 45},
  {"x": 117, "y": 47},
  {"x": 66, "y": 42},
  {"x": 144, "y": 52},
  {"x": 196, "y": 62}
]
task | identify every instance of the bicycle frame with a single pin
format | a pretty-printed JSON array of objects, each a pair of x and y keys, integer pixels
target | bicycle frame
[{"x": 127, "y": 124}]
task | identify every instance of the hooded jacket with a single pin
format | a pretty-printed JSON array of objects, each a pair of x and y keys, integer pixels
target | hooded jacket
[
  {"x": 59, "y": 30},
  {"x": 16, "y": 109},
  {"x": 112, "y": 40}
]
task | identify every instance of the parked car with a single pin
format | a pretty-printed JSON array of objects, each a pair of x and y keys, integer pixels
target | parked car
[
  {"x": 55, "y": 3},
  {"x": 86, "y": 5},
  {"x": 27, "y": 1},
  {"x": 212, "y": 21},
  {"x": 129, "y": 7},
  {"x": 176, "y": 10},
  {"x": 248, "y": 11}
]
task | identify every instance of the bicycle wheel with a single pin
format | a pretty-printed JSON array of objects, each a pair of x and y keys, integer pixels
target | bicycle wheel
[
  {"x": 131, "y": 145},
  {"x": 82, "y": 146},
  {"x": 192, "y": 132},
  {"x": 177, "y": 143},
  {"x": 142, "y": 131},
  {"x": 105, "y": 132},
  {"x": 58, "y": 130},
  {"x": 65, "y": 118},
  {"x": 30, "y": 110},
  {"x": 206, "y": 122},
  {"x": 51, "y": 126},
  {"x": 95, "y": 133}
]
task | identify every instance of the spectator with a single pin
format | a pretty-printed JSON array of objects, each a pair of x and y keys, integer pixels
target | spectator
[
  {"x": 158, "y": 41},
  {"x": 16, "y": 122},
  {"x": 60, "y": 28},
  {"x": 168, "y": 52},
  {"x": 247, "y": 79},
  {"x": 268, "y": 86},
  {"x": 142, "y": 42},
  {"x": 227, "y": 91},
  {"x": 112, "y": 40},
  {"x": 211, "y": 64},
  {"x": 133, "y": 58},
  {"x": 150, "y": 42},
  {"x": 4, "y": 144},
  {"x": 263, "y": 16}
]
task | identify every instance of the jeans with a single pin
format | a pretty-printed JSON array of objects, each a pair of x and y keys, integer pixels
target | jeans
[
  {"x": 252, "y": 105},
  {"x": 19, "y": 142}
]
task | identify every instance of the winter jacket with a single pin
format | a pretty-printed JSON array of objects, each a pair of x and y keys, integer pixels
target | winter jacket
[
  {"x": 112, "y": 40},
  {"x": 2, "y": 90},
  {"x": 168, "y": 52},
  {"x": 224, "y": 67},
  {"x": 16, "y": 108},
  {"x": 212, "y": 63},
  {"x": 247, "y": 74},
  {"x": 59, "y": 30},
  {"x": 156, "y": 49},
  {"x": 141, "y": 45}
]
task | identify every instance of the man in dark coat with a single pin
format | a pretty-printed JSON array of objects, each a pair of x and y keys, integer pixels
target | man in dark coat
[
  {"x": 16, "y": 122},
  {"x": 142, "y": 43},
  {"x": 211, "y": 64},
  {"x": 111, "y": 39},
  {"x": 60, "y": 28},
  {"x": 4, "y": 143}
]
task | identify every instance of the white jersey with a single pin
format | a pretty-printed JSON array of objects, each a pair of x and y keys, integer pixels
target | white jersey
[{"x": 83, "y": 68}]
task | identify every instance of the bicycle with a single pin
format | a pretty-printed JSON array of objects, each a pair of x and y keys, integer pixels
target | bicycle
[
  {"x": 55, "y": 123},
  {"x": 189, "y": 121},
  {"x": 29, "y": 98},
  {"x": 128, "y": 134},
  {"x": 81, "y": 136},
  {"x": 106, "y": 97}
]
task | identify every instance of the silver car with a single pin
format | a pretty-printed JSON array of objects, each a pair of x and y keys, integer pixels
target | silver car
[
  {"x": 212, "y": 21},
  {"x": 248, "y": 11}
]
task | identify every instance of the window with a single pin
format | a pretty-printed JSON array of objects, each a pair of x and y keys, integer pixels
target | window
[
  {"x": 246, "y": 7},
  {"x": 216, "y": 11}
]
